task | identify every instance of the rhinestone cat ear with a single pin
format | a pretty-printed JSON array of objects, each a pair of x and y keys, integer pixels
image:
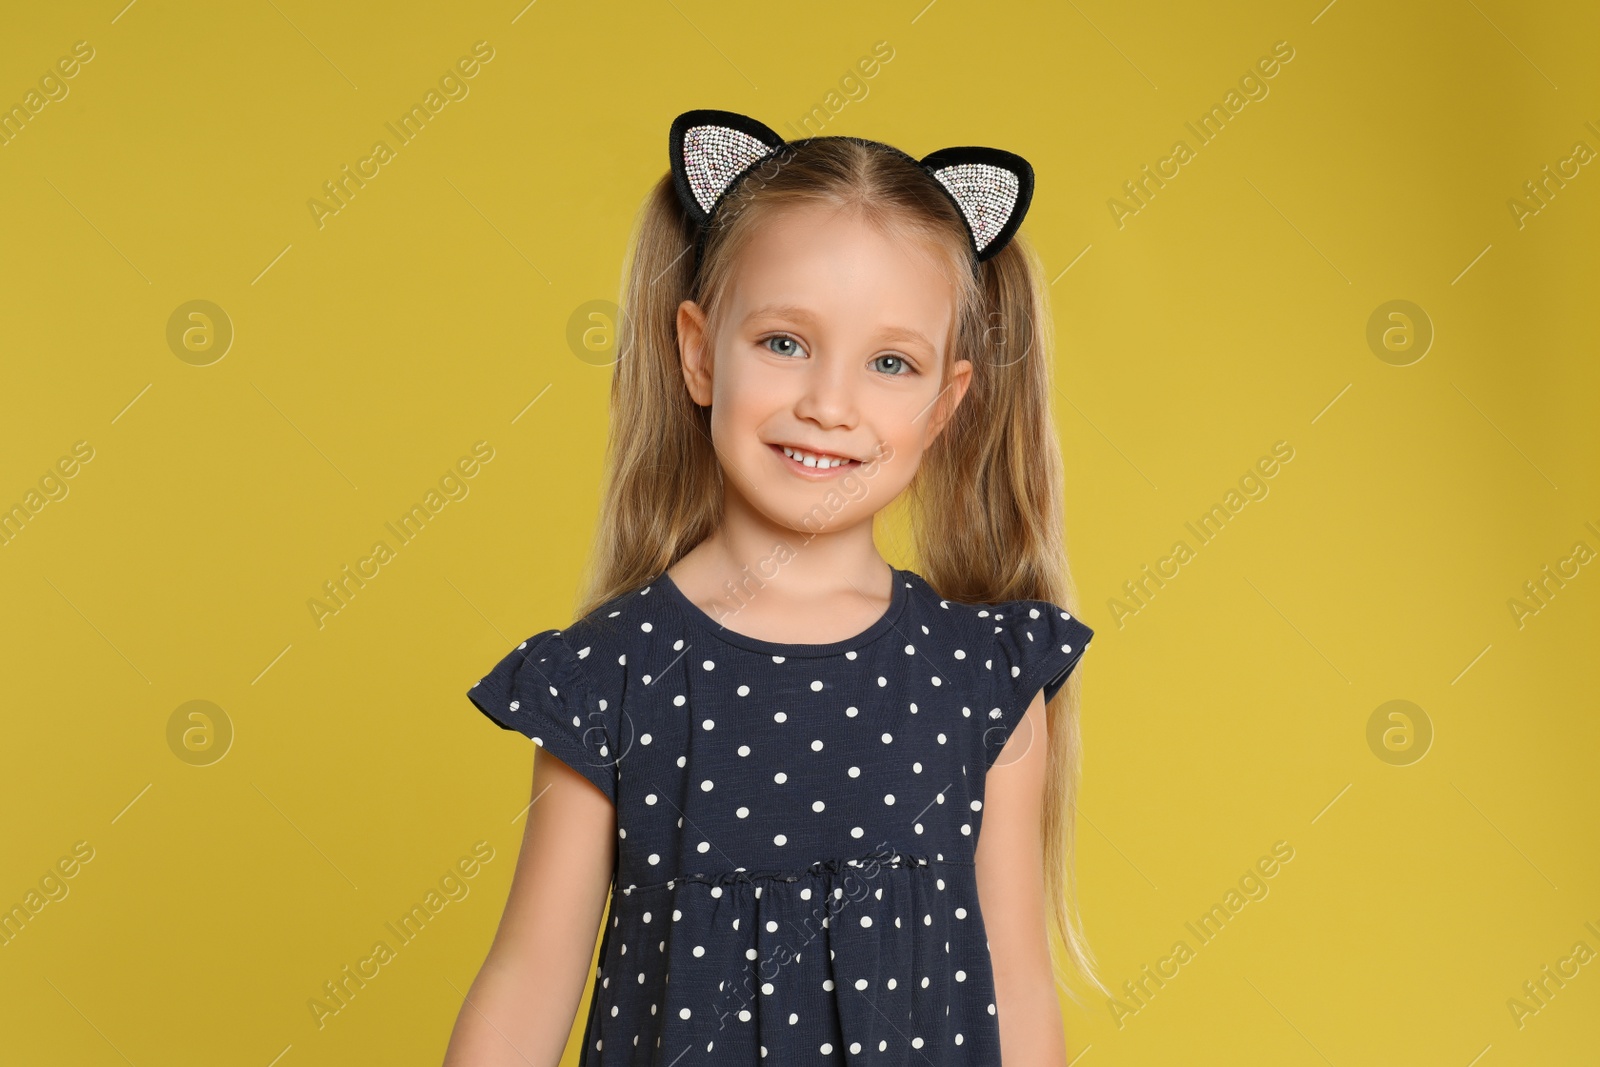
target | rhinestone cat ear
[
  {"x": 710, "y": 150},
  {"x": 992, "y": 187}
]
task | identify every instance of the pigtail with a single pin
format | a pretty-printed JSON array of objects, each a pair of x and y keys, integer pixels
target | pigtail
[
  {"x": 988, "y": 524},
  {"x": 662, "y": 493}
]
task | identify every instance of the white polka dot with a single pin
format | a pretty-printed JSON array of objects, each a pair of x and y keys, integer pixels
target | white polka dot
[
  {"x": 816, "y": 746},
  {"x": 780, "y": 777},
  {"x": 887, "y": 739},
  {"x": 708, "y": 665},
  {"x": 744, "y": 750},
  {"x": 708, "y": 724},
  {"x": 816, "y": 686},
  {"x": 744, "y": 690},
  {"x": 856, "y": 831},
  {"x": 888, "y": 798},
  {"x": 743, "y": 812},
  {"x": 866, "y": 920},
  {"x": 706, "y": 785},
  {"x": 817, "y": 805},
  {"x": 855, "y": 772},
  {"x": 780, "y": 840}
]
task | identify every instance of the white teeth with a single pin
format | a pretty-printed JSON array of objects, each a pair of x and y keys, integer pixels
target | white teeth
[{"x": 811, "y": 460}]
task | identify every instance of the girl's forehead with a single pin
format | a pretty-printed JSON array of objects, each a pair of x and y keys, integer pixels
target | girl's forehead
[{"x": 805, "y": 257}]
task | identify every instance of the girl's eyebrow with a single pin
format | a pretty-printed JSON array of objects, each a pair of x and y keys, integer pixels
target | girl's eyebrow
[
  {"x": 800, "y": 314},
  {"x": 784, "y": 311}
]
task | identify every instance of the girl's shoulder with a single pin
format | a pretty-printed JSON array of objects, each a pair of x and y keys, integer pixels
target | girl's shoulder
[
  {"x": 1013, "y": 649},
  {"x": 617, "y": 619},
  {"x": 1011, "y": 620}
]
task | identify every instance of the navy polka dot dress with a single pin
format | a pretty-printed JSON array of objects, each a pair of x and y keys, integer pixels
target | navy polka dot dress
[{"x": 796, "y": 824}]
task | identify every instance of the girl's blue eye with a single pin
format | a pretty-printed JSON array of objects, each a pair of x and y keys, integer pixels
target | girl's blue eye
[{"x": 904, "y": 368}]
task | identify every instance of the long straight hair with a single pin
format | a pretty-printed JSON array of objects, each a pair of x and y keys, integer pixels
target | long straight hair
[{"x": 985, "y": 506}]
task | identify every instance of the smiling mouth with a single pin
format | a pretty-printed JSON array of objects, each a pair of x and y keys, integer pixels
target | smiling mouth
[{"x": 818, "y": 461}]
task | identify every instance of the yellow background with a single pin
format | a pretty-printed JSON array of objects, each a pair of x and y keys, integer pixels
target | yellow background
[{"x": 369, "y": 354}]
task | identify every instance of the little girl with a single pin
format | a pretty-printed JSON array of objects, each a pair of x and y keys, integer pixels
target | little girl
[{"x": 824, "y": 794}]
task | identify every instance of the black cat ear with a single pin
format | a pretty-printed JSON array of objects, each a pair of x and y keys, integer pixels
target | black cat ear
[
  {"x": 992, "y": 187},
  {"x": 710, "y": 150}
]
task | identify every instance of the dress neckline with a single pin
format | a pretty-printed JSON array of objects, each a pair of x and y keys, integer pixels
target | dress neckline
[{"x": 899, "y": 595}]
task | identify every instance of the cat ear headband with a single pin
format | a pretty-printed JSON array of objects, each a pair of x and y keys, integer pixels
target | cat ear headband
[{"x": 711, "y": 150}]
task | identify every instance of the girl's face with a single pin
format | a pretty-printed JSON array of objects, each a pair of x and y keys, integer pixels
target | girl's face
[{"x": 833, "y": 343}]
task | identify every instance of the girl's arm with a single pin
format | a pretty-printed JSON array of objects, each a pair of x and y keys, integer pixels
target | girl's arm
[
  {"x": 520, "y": 1010},
  {"x": 1010, "y": 875}
]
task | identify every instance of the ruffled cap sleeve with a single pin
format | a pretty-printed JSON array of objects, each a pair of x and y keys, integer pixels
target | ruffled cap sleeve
[
  {"x": 541, "y": 690},
  {"x": 1036, "y": 645}
]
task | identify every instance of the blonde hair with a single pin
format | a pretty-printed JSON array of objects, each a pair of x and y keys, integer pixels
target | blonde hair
[{"x": 986, "y": 503}]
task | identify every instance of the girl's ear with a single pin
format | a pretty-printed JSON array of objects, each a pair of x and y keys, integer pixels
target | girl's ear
[
  {"x": 692, "y": 352},
  {"x": 950, "y": 398}
]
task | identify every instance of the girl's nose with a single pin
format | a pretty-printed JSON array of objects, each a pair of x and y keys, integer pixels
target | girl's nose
[{"x": 829, "y": 398}]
